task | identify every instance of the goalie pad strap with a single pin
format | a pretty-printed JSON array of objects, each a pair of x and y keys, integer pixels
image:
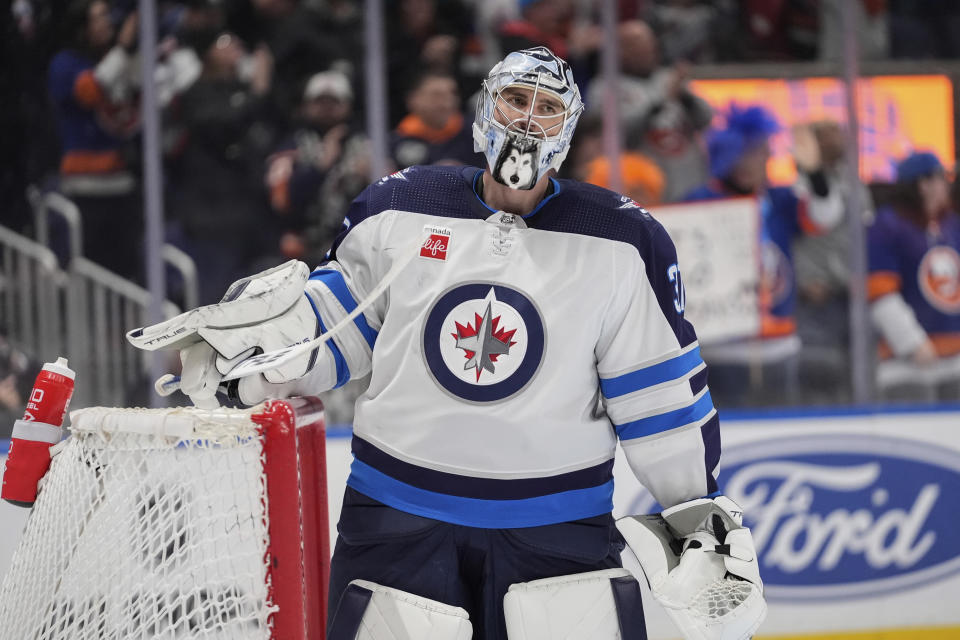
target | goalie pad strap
[
  {"x": 349, "y": 613},
  {"x": 629, "y": 603},
  {"x": 369, "y": 611}
]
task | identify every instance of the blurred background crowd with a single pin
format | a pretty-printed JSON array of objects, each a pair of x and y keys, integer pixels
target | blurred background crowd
[{"x": 265, "y": 143}]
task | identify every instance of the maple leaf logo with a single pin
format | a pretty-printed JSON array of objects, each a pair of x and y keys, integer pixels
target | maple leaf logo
[{"x": 483, "y": 341}]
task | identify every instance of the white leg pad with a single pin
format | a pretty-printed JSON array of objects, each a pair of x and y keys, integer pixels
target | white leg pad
[
  {"x": 392, "y": 614},
  {"x": 575, "y": 606}
]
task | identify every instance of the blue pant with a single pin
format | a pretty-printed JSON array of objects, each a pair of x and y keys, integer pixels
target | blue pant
[{"x": 463, "y": 566}]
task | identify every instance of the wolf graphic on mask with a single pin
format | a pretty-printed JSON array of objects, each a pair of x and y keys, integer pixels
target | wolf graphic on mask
[{"x": 516, "y": 166}]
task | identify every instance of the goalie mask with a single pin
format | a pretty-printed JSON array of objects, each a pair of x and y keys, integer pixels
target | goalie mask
[{"x": 529, "y": 106}]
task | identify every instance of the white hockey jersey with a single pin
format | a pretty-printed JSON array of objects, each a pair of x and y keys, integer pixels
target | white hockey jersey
[{"x": 511, "y": 353}]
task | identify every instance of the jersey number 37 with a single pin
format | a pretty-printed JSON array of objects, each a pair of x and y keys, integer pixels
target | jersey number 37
[{"x": 679, "y": 295}]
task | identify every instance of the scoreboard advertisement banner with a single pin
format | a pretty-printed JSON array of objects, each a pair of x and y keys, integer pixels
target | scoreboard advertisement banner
[{"x": 897, "y": 115}]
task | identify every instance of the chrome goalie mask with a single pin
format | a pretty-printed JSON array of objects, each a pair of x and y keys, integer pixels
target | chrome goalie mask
[{"x": 521, "y": 139}]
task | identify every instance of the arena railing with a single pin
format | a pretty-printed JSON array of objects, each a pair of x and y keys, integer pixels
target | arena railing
[
  {"x": 31, "y": 296},
  {"x": 81, "y": 311}
]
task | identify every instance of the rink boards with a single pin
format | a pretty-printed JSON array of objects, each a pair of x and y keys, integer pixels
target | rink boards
[{"x": 856, "y": 519}]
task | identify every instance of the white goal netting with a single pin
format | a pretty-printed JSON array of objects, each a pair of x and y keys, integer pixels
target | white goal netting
[{"x": 150, "y": 524}]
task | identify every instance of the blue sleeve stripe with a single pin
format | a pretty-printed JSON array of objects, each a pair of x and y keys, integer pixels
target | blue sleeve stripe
[
  {"x": 338, "y": 286},
  {"x": 343, "y": 371},
  {"x": 653, "y": 375},
  {"x": 661, "y": 422}
]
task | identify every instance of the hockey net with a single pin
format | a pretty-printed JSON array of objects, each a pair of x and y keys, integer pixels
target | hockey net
[{"x": 175, "y": 524}]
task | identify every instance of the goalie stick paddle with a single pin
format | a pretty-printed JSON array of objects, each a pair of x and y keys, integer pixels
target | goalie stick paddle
[{"x": 273, "y": 359}]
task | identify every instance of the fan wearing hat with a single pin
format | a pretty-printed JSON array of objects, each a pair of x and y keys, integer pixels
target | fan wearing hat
[
  {"x": 914, "y": 265},
  {"x": 315, "y": 173}
]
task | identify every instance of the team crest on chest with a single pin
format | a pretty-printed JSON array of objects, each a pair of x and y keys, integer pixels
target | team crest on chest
[
  {"x": 483, "y": 342},
  {"x": 939, "y": 278}
]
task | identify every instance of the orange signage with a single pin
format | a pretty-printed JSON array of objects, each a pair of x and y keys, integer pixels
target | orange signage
[{"x": 897, "y": 115}]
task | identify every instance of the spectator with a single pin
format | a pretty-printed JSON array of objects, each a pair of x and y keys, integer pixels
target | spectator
[
  {"x": 586, "y": 146},
  {"x": 424, "y": 35},
  {"x": 873, "y": 29},
  {"x": 90, "y": 83},
  {"x": 821, "y": 264},
  {"x": 434, "y": 130},
  {"x": 641, "y": 180},
  {"x": 662, "y": 118},
  {"x": 914, "y": 254},
  {"x": 218, "y": 195},
  {"x": 782, "y": 30},
  {"x": 319, "y": 170},
  {"x": 340, "y": 24},
  {"x": 551, "y": 24},
  {"x": 542, "y": 23},
  {"x": 923, "y": 28},
  {"x": 686, "y": 29},
  {"x": 738, "y": 159},
  {"x": 288, "y": 29},
  {"x": 30, "y": 144}
]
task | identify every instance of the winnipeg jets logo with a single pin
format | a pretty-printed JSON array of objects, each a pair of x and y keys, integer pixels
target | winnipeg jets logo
[{"x": 483, "y": 342}]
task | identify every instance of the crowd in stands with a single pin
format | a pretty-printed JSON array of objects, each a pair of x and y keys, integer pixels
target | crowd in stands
[{"x": 264, "y": 142}]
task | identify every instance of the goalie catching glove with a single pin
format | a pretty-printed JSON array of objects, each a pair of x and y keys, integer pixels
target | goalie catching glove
[
  {"x": 263, "y": 312},
  {"x": 701, "y": 565}
]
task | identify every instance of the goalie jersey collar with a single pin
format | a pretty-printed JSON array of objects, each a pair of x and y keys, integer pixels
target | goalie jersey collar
[{"x": 552, "y": 192}]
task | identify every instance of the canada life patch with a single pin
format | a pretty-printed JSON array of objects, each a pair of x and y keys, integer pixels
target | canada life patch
[
  {"x": 483, "y": 342},
  {"x": 436, "y": 244}
]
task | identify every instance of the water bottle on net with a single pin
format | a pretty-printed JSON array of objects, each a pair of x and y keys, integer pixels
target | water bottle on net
[{"x": 38, "y": 430}]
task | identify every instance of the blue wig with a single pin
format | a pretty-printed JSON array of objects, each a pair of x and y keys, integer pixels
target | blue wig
[{"x": 745, "y": 128}]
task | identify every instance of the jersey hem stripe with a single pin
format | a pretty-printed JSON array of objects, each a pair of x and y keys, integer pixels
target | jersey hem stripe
[
  {"x": 473, "y": 512},
  {"x": 464, "y": 486}
]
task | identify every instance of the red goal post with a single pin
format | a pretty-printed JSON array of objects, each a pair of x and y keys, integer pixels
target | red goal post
[
  {"x": 178, "y": 523},
  {"x": 295, "y": 456}
]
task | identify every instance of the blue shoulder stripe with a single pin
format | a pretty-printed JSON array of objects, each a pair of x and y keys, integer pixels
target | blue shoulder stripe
[
  {"x": 661, "y": 422},
  {"x": 343, "y": 371},
  {"x": 653, "y": 375},
  {"x": 338, "y": 286}
]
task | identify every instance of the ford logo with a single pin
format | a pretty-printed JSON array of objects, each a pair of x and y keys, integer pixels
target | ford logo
[{"x": 846, "y": 516}]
